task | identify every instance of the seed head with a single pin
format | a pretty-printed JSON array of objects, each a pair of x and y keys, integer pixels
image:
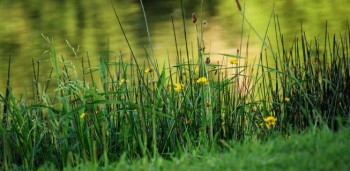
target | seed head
[{"x": 194, "y": 18}]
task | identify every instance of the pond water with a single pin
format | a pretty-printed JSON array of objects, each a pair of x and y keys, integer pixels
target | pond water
[{"x": 91, "y": 26}]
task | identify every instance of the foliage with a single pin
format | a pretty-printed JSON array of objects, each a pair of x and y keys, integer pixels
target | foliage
[{"x": 135, "y": 111}]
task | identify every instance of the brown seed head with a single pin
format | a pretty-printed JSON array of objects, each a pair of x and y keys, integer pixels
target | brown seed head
[
  {"x": 207, "y": 61},
  {"x": 194, "y": 18}
]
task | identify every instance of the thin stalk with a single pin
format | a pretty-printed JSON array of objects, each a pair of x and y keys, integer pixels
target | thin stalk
[
  {"x": 149, "y": 39},
  {"x": 7, "y": 95}
]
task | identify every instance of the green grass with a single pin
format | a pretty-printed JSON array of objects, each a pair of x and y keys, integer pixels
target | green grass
[
  {"x": 144, "y": 111},
  {"x": 310, "y": 150}
]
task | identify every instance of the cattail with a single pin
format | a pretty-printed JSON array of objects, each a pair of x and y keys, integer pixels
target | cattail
[
  {"x": 207, "y": 61},
  {"x": 194, "y": 18}
]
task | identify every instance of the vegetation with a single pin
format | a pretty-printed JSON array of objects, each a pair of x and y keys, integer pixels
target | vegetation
[
  {"x": 312, "y": 150},
  {"x": 133, "y": 110}
]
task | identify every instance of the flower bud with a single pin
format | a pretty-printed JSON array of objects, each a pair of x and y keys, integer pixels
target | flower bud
[{"x": 194, "y": 18}]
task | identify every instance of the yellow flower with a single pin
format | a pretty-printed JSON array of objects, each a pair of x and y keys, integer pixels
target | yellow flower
[
  {"x": 148, "y": 70},
  {"x": 268, "y": 126},
  {"x": 287, "y": 99},
  {"x": 270, "y": 121},
  {"x": 82, "y": 116},
  {"x": 264, "y": 125},
  {"x": 202, "y": 80},
  {"x": 234, "y": 61},
  {"x": 122, "y": 81},
  {"x": 179, "y": 87}
]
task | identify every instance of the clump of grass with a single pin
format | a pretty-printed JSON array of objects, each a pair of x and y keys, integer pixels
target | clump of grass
[
  {"x": 308, "y": 82},
  {"x": 135, "y": 110}
]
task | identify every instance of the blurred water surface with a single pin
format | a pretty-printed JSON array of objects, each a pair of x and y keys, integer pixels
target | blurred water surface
[{"x": 91, "y": 27}]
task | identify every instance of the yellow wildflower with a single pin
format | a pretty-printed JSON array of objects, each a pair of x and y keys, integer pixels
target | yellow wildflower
[
  {"x": 82, "y": 116},
  {"x": 178, "y": 87},
  {"x": 148, "y": 70},
  {"x": 234, "y": 61},
  {"x": 270, "y": 121},
  {"x": 268, "y": 126},
  {"x": 202, "y": 80},
  {"x": 122, "y": 81},
  {"x": 287, "y": 99}
]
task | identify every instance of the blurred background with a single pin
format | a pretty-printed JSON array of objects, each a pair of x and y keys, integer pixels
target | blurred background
[{"x": 91, "y": 27}]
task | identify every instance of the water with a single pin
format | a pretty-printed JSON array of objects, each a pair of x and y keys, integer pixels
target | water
[{"x": 90, "y": 26}]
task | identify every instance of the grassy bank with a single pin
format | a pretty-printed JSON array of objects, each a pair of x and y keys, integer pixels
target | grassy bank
[
  {"x": 131, "y": 110},
  {"x": 311, "y": 150}
]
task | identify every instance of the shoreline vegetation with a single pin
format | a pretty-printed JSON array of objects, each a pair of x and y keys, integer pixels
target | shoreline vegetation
[
  {"x": 310, "y": 150},
  {"x": 128, "y": 111}
]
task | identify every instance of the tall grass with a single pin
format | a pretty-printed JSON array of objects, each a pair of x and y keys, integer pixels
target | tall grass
[
  {"x": 310, "y": 81},
  {"x": 135, "y": 110}
]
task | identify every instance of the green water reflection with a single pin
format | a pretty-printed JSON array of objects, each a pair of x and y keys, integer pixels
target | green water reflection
[{"x": 91, "y": 26}]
